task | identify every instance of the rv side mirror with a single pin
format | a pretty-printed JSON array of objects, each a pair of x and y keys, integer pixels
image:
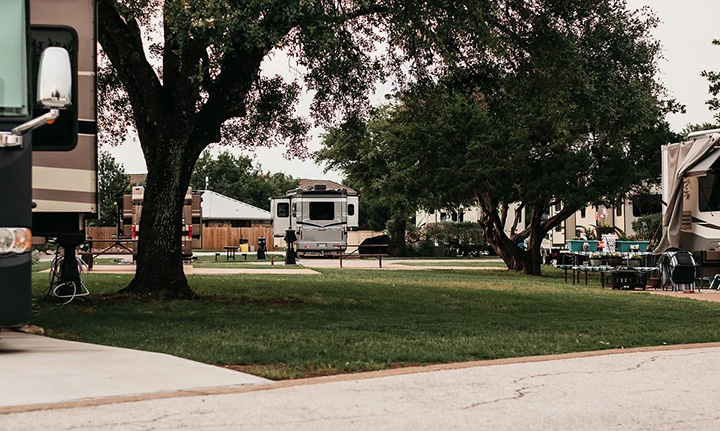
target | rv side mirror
[{"x": 55, "y": 79}]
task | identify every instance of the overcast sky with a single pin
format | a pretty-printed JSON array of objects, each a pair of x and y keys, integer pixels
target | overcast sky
[{"x": 686, "y": 30}]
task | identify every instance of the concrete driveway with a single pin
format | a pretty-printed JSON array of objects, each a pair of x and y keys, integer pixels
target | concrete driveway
[
  {"x": 671, "y": 388},
  {"x": 37, "y": 370}
]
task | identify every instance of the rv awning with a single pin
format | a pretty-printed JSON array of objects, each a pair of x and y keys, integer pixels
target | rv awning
[{"x": 704, "y": 166}]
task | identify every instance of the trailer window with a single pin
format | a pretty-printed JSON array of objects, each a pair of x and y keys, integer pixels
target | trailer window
[
  {"x": 351, "y": 209},
  {"x": 13, "y": 68},
  {"x": 709, "y": 190},
  {"x": 283, "y": 209},
  {"x": 322, "y": 210},
  {"x": 646, "y": 204}
]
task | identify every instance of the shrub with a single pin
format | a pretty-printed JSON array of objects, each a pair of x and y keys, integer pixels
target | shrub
[
  {"x": 457, "y": 239},
  {"x": 646, "y": 228}
]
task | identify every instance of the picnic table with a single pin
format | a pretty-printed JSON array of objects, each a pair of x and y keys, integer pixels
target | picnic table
[
  {"x": 378, "y": 255},
  {"x": 230, "y": 251}
]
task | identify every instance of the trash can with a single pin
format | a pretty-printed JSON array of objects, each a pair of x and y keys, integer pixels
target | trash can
[{"x": 244, "y": 246}]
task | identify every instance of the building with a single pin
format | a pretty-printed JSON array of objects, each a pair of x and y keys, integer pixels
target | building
[
  {"x": 620, "y": 217},
  {"x": 222, "y": 211}
]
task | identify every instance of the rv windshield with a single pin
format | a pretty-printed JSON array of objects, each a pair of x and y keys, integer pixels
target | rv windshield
[{"x": 13, "y": 67}]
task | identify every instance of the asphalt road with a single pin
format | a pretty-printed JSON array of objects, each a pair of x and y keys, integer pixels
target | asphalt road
[{"x": 640, "y": 390}]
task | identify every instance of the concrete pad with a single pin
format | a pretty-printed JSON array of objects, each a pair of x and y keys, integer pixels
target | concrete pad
[{"x": 36, "y": 370}]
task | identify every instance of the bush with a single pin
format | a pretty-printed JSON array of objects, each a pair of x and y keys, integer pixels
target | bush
[
  {"x": 646, "y": 228},
  {"x": 454, "y": 239}
]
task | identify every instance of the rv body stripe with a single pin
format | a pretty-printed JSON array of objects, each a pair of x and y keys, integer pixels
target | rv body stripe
[
  {"x": 85, "y": 73},
  {"x": 64, "y": 196},
  {"x": 320, "y": 226},
  {"x": 82, "y": 157},
  {"x": 76, "y": 180},
  {"x": 703, "y": 223},
  {"x": 87, "y": 127},
  {"x": 63, "y": 207}
]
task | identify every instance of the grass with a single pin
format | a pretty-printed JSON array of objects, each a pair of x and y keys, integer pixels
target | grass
[{"x": 282, "y": 326}]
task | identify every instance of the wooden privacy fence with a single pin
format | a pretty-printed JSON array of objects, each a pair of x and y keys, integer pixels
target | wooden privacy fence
[
  {"x": 99, "y": 233},
  {"x": 215, "y": 238}
]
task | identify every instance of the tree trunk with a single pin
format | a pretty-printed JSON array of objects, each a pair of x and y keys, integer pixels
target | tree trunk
[
  {"x": 397, "y": 244},
  {"x": 159, "y": 270},
  {"x": 534, "y": 252}
]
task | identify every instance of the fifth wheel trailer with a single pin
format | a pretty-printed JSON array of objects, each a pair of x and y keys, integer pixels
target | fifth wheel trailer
[
  {"x": 691, "y": 190},
  {"x": 64, "y": 167},
  {"x": 130, "y": 211}
]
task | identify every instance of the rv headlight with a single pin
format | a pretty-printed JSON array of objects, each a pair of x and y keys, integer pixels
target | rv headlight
[{"x": 15, "y": 240}]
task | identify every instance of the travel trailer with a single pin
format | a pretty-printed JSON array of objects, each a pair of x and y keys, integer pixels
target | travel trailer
[
  {"x": 130, "y": 211},
  {"x": 319, "y": 216},
  {"x": 691, "y": 190},
  {"x": 48, "y": 173}
]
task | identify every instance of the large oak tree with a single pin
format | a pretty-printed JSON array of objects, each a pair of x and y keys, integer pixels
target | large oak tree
[
  {"x": 188, "y": 73},
  {"x": 562, "y": 107}
]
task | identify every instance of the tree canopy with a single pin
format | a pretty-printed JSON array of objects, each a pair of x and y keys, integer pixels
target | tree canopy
[
  {"x": 237, "y": 177},
  {"x": 561, "y": 108}
]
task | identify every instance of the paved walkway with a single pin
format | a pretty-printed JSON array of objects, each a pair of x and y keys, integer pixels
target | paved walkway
[
  {"x": 643, "y": 389},
  {"x": 41, "y": 370}
]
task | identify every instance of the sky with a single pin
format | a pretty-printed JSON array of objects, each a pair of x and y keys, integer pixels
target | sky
[{"x": 686, "y": 31}]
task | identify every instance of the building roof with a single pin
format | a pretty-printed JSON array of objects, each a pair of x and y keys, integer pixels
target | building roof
[
  {"x": 137, "y": 179},
  {"x": 220, "y": 207},
  {"x": 308, "y": 183}
]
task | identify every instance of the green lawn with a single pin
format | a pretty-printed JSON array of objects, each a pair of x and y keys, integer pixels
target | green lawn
[{"x": 290, "y": 326}]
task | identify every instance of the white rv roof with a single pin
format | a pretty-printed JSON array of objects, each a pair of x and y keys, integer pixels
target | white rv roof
[{"x": 220, "y": 207}]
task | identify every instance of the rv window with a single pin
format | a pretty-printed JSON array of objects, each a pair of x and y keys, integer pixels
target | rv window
[
  {"x": 618, "y": 210},
  {"x": 647, "y": 204},
  {"x": 351, "y": 209},
  {"x": 322, "y": 210},
  {"x": 582, "y": 213},
  {"x": 709, "y": 191},
  {"x": 283, "y": 209},
  {"x": 453, "y": 216}
]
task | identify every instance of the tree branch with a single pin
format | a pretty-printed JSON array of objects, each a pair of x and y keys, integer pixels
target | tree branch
[{"x": 122, "y": 43}]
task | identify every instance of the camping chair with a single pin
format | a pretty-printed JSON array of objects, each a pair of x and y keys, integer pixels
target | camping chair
[{"x": 679, "y": 270}]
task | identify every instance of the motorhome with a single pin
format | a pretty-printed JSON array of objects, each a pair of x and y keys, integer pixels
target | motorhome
[
  {"x": 130, "y": 211},
  {"x": 319, "y": 216},
  {"x": 48, "y": 173},
  {"x": 691, "y": 191}
]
